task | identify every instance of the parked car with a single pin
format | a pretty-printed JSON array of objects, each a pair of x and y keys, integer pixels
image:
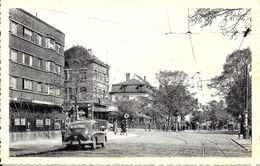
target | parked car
[{"x": 84, "y": 132}]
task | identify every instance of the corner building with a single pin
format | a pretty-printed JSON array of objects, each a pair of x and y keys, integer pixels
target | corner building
[{"x": 36, "y": 75}]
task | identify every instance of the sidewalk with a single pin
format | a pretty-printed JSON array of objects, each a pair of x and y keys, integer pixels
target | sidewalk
[
  {"x": 244, "y": 143},
  {"x": 27, "y": 148}
]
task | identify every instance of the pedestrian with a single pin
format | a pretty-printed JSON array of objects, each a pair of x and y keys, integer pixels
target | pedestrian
[
  {"x": 115, "y": 127},
  {"x": 149, "y": 126},
  {"x": 250, "y": 131}
]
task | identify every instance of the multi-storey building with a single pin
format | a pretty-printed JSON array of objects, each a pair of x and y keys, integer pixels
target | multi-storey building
[
  {"x": 131, "y": 89},
  {"x": 36, "y": 73},
  {"x": 87, "y": 82}
]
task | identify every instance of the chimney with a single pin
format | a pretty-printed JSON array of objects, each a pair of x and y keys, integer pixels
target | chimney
[
  {"x": 90, "y": 51},
  {"x": 144, "y": 78},
  {"x": 127, "y": 76}
]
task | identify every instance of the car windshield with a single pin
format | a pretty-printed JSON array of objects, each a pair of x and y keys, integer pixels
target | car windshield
[{"x": 80, "y": 126}]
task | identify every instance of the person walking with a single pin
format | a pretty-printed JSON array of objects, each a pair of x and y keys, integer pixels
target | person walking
[{"x": 115, "y": 127}]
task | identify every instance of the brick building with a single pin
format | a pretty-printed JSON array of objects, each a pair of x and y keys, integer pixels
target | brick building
[
  {"x": 36, "y": 73},
  {"x": 87, "y": 82}
]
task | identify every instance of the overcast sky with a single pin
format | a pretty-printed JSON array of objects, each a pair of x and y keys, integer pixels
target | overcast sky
[{"x": 130, "y": 36}]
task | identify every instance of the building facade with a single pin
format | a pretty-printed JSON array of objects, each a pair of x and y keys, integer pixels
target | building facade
[
  {"x": 36, "y": 73},
  {"x": 131, "y": 89},
  {"x": 87, "y": 82}
]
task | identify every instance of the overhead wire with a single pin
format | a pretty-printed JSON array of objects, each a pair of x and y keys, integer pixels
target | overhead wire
[{"x": 193, "y": 53}]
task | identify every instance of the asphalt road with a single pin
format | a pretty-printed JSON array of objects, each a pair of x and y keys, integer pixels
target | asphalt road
[{"x": 160, "y": 144}]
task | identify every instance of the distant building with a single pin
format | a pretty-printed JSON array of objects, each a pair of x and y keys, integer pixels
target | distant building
[
  {"x": 36, "y": 73},
  {"x": 134, "y": 89},
  {"x": 131, "y": 89},
  {"x": 87, "y": 84}
]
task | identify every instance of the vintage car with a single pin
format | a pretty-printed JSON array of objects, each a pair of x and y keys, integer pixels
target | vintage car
[{"x": 84, "y": 132}]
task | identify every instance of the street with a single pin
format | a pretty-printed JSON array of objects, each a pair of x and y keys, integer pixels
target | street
[{"x": 160, "y": 144}]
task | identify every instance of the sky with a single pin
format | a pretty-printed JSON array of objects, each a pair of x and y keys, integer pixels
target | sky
[{"x": 130, "y": 37}]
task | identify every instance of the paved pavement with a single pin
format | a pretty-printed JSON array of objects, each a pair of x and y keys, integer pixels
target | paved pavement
[{"x": 27, "y": 148}]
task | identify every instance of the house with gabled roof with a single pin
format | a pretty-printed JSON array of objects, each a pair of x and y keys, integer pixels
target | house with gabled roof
[{"x": 131, "y": 89}]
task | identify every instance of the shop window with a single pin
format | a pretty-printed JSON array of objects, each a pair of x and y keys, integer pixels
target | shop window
[
  {"x": 13, "y": 55},
  {"x": 27, "y": 34},
  {"x": 39, "y": 123},
  {"x": 13, "y": 28},
  {"x": 57, "y": 124},
  {"x": 47, "y": 122}
]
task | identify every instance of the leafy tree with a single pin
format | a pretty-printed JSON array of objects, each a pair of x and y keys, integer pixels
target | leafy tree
[
  {"x": 231, "y": 20},
  {"x": 218, "y": 113},
  {"x": 232, "y": 83},
  {"x": 77, "y": 60},
  {"x": 173, "y": 96}
]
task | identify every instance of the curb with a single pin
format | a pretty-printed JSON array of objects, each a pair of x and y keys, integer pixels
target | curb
[
  {"x": 241, "y": 145},
  {"x": 35, "y": 153}
]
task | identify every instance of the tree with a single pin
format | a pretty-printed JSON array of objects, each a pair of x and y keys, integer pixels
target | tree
[
  {"x": 77, "y": 61},
  {"x": 173, "y": 96},
  {"x": 218, "y": 114},
  {"x": 232, "y": 84},
  {"x": 231, "y": 20}
]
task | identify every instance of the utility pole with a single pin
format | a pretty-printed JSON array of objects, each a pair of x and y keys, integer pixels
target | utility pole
[{"x": 245, "y": 125}]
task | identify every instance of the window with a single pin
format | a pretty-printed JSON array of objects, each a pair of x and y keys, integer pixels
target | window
[
  {"x": 52, "y": 90},
  {"x": 48, "y": 66},
  {"x": 58, "y": 69},
  {"x": 27, "y": 59},
  {"x": 39, "y": 63},
  {"x": 13, "y": 82},
  {"x": 47, "y": 89},
  {"x": 52, "y": 67},
  {"x": 13, "y": 55},
  {"x": 58, "y": 91},
  {"x": 39, "y": 87},
  {"x": 27, "y": 34},
  {"x": 13, "y": 27},
  {"x": 50, "y": 43},
  {"x": 27, "y": 84},
  {"x": 38, "y": 39},
  {"x": 58, "y": 48}
]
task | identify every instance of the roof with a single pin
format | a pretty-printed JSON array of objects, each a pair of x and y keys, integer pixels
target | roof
[
  {"x": 132, "y": 81},
  {"x": 36, "y": 18},
  {"x": 76, "y": 51}
]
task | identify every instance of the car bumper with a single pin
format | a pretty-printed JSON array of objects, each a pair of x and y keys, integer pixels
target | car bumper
[{"x": 77, "y": 142}]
